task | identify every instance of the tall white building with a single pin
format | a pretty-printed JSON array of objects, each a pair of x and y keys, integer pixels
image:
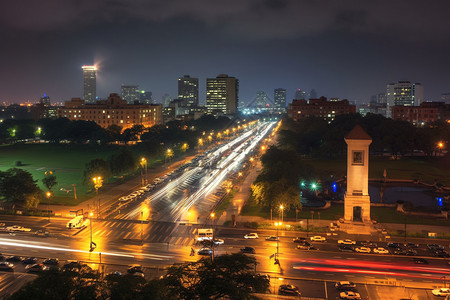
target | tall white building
[
  {"x": 130, "y": 93},
  {"x": 90, "y": 83},
  {"x": 403, "y": 93},
  {"x": 188, "y": 90},
  {"x": 279, "y": 97}
]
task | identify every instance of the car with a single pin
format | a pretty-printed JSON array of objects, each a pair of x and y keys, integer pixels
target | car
[
  {"x": 132, "y": 269},
  {"x": 289, "y": 290},
  {"x": 18, "y": 228},
  {"x": 41, "y": 233},
  {"x": 218, "y": 242},
  {"x": 205, "y": 251},
  {"x": 51, "y": 261},
  {"x": 14, "y": 258},
  {"x": 299, "y": 240},
  {"x": 368, "y": 244},
  {"x": 318, "y": 238},
  {"x": 29, "y": 260},
  {"x": 345, "y": 248},
  {"x": 247, "y": 249},
  {"x": 434, "y": 247},
  {"x": 380, "y": 250},
  {"x": 412, "y": 245},
  {"x": 6, "y": 266},
  {"x": 272, "y": 238},
  {"x": 394, "y": 245},
  {"x": 441, "y": 253},
  {"x": 306, "y": 247},
  {"x": 407, "y": 252},
  {"x": 441, "y": 292},
  {"x": 349, "y": 295},
  {"x": 420, "y": 260},
  {"x": 252, "y": 235},
  {"x": 347, "y": 242},
  {"x": 362, "y": 249},
  {"x": 36, "y": 268},
  {"x": 345, "y": 286}
]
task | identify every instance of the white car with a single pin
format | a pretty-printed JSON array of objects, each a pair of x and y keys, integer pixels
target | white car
[
  {"x": 362, "y": 249},
  {"x": 18, "y": 228},
  {"x": 349, "y": 295},
  {"x": 442, "y": 292},
  {"x": 380, "y": 250},
  {"x": 318, "y": 238},
  {"x": 252, "y": 235},
  {"x": 347, "y": 242},
  {"x": 218, "y": 242}
]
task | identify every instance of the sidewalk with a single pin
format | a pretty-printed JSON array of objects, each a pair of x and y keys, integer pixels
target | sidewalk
[{"x": 115, "y": 192}]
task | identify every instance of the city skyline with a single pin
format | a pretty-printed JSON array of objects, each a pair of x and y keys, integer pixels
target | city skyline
[{"x": 349, "y": 50}]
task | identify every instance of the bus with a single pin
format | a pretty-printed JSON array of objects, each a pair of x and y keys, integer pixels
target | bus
[
  {"x": 76, "y": 222},
  {"x": 204, "y": 234}
]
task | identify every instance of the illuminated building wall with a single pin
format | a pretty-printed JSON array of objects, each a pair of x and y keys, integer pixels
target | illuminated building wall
[
  {"x": 90, "y": 83},
  {"x": 279, "y": 97},
  {"x": 320, "y": 108},
  {"x": 112, "y": 111},
  {"x": 222, "y": 94},
  {"x": 130, "y": 93},
  {"x": 403, "y": 93},
  {"x": 188, "y": 90}
]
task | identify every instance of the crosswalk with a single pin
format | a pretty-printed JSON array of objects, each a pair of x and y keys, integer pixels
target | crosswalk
[
  {"x": 11, "y": 282},
  {"x": 152, "y": 232}
]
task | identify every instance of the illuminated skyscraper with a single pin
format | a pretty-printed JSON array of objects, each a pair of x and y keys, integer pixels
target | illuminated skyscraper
[
  {"x": 403, "y": 93},
  {"x": 279, "y": 97},
  {"x": 222, "y": 94},
  {"x": 145, "y": 97},
  {"x": 90, "y": 83},
  {"x": 130, "y": 93},
  {"x": 188, "y": 90}
]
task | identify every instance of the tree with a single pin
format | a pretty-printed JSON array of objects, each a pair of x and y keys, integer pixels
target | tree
[
  {"x": 19, "y": 187},
  {"x": 122, "y": 162},
  {"x": 94, "y": 168},
  {"x": 49, "y": 180}
]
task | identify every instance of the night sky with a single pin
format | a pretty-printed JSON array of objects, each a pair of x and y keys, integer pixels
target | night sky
[{"x": 346, "y": 49}]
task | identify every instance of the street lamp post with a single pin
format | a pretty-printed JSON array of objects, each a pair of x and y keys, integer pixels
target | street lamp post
[
  {"x": 142, "y": 228},
  {"x": 282, "y": 216},
  {"x": 277, "y": 224},
  {"x": 98, "y": 182},
  {"x": 48, "y": 194},
  {"x": 144, "y": 165},
  {"x": 213, "y": 244},
  {"x": 92, "y": 245}
]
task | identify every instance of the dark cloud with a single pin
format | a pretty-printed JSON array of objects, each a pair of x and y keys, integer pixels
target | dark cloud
[{"x": 268, "y": 19}]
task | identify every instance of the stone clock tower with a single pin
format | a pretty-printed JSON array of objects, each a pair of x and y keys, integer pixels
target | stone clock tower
[{"x": 357, "y": 199}]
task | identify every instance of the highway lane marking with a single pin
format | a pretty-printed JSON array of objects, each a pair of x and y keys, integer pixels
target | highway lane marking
[{"x": 326, "y": 292}]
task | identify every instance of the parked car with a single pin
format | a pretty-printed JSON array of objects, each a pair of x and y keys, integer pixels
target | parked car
[
  {"x": 132, "y": 269},
  {"x": 18, "y": 228},
  {"x": 36, "y": 268},
  {"x": 6, "y": 266},
  {"x": 349, "y": 295},
  {"x": 380, "y": 250},
  {"x": 218, "y": 242},
  {"x": 420, "y": 260},
  {"x": 345, "y": 286},
  {"x": 289, "y": 290},
  {"x": 347, "y": 242},
  {"x": 299, "y": 240},
  {"x": 204, "y": 251},
  {"x": 272, "y": 238},
  {"x": 252, "y": 235},
  {"x": 306, "y": 247},
  {"x": 441, "y": 292},
  {"x": 345, "y": 248},
  {"x": 29, "y": 260},
  {"x": 394, "y": 245},
  {"x": 368, "y": 244},
  {"x": 41, "y": 233},
  {"x": 247, "y": 249},
  {"x": 441, "y": 253},
  {"x": 51, "y": 261},
  {"x": 318, "y": 238},
  {"x": 412, "y": 245},
  {"x": 434, "y": 247},
  {"x": 362, "y": 249},
  {"x": 14, "y": 258}
]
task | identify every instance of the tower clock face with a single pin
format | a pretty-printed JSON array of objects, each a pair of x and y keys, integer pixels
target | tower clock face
[{"x": 358, "y": 157}]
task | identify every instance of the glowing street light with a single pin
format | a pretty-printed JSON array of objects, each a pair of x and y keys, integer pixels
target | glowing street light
[
  {"x": 143, "y": 163},
  {"x": 282, "y": 209},
  {"x": 212, "y": 215},
  {"x": 98, "y": 183},
  {"x": 48, "y": 194},
  {"x": 92, "y": 245},
  {"x": 169, "y": 154}
]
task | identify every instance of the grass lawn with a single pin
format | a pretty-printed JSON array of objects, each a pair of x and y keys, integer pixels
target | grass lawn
[
  {"x": 67, "y": 162},
  {"x": 425, "y": 169}
]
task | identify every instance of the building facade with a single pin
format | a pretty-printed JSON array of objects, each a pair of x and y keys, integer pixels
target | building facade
[
  {"x": 112, "y": 111},
  {"x": 130, "y": 93},
  {"x": 279, "y": 97},
  {"x": 90, "y": 83},
  {"x": 426, "y": 112},
  {"x": 403, "y": 93},
  {"x": 188, "y": 90},
  {"x": 222, "y": 95},
  {"x": 145, "y": 97},
  {"x": 321, "y": 108}
]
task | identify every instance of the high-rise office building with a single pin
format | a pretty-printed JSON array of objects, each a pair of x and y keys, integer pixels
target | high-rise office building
[
  {"x": 300, "y": 94},
  {"x": 261, "y": 99},
  {"x": 130, "y": 93},
  {"x": 90, "y": 83},
  {"x": 145, "y": 97},
  {"x": 166, "y": 99},
  {"x": 45, "y": 100},
  {"x": 279, "y": 97},
  {"x": 403, "y": 93},
  {"x": 188, "y": 90},
  {"x": 222, "y": 94}
]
